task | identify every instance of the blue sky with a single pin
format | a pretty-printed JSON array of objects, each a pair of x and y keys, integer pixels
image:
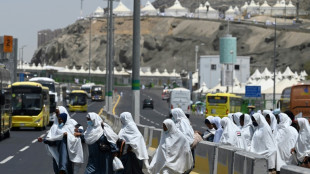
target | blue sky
[{"x": 24, "y": 18}]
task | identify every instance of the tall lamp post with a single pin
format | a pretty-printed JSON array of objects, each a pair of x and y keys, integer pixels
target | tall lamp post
[
  {"x": 89, "y": 52},
  {"x": 22, "y": 61},
  {"x": 232, "y": 71}
]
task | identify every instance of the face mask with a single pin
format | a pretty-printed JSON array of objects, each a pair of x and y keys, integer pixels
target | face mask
[
  {"x": 61, "y": 125},
  {"x": 90, "y": 123}
]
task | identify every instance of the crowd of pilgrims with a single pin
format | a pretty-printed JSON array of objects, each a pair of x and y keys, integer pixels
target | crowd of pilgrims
[
  {"x": 282, "y": 138},
  {"x": 69, "y": 146}
]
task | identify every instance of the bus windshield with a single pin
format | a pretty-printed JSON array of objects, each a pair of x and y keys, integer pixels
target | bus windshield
[
  {"x": 50, "y": 85},
  {"x": 78, "y": 99},
  {"x": 217, "y": 99},
  {"x": 26, "y": 103},
  {"x": 86, "y": 89}
]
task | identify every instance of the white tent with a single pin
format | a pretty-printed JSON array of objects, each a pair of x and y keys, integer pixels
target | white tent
[
  {"x": 244, "y": 7},
  {"x": 98, "y": 12},
  {"x": 122, "y": 10},
  {"x": 288, "y": 73},
  {"x": 253, "y": 8},
  {"x": 211, "y": 12},
  {"x": 266, "y": 74},
  {"x": 265, "y": 9},
  {"x": 201, "y": 11},
  {"x": 230, "y": 14},
  {"x": 203, "y": 89},
  {"x": 237, "y": 11},
  {"x": 290, "y": 9},
  {"x": 279, "y": 8},
  {"x": 148, "y": 10},
  {"x": 176, "y": 10}
]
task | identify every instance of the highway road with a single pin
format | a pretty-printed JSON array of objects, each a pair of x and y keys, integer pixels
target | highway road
[{"x": 22, "y": 154}]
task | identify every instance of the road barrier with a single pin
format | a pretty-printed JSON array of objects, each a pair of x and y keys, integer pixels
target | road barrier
[{"x": 211, "y": 158}]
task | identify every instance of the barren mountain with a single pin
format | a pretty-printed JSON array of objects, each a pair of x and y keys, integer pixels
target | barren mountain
[{"x": 168, "y": 43}]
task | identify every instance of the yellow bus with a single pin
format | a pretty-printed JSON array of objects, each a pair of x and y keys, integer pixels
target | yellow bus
[
  {"x": 221, "y": 104},
  {"x": 30, "y": 103},
  {"x": 78, "y": 101}
]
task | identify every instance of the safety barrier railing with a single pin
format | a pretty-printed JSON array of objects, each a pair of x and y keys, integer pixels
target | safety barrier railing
[{"x": 211, "y": 158}]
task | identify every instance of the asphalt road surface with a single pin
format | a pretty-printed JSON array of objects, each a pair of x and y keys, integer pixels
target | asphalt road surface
[{"x": 22, "y": 154}]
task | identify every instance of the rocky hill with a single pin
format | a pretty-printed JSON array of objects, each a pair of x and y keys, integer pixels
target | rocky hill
[
  {"x": 168, "y": 43},
  {"x": 222, "y": 4}
]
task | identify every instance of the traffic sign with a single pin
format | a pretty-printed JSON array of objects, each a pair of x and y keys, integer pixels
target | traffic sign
[
  {"x": 7, "y": 44},
  {"x": 252, "y": 91}
]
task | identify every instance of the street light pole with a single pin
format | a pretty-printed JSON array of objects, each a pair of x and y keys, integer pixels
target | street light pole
[
  {"x": 89, "y": 53},
  {"x": 107, "y": 62},
  {"x": 111, "y": 56},
  {"x": 136, "y": 62},
  {"x": 274, "y": 63},
  {"x": 22, "y": 62},
  {"x": 232, "y": 71},
  {"x": 196, "y": 57}
]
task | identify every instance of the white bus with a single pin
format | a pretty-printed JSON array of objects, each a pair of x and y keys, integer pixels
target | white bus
[
  {"x": 50, "y": 83},
  {"x": 87, "y": 88},
  {"x": 180, "y": 98}
]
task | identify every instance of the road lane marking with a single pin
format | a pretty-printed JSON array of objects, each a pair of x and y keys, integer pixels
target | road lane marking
[
  {"x": 152, "y": 122},
  {"x": 23, "y": 149},
  {"x": 42, "y": 135},
  {"x": 35, "y": 140},
  {"x": 113, "y": 111},
  {"x": 73, "y": 114},
  {"x": 6, "y": 159}
]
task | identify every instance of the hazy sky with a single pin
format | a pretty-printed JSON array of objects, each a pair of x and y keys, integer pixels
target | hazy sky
[{"x": 24, "y": 18}]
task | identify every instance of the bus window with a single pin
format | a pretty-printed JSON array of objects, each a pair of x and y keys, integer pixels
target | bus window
[{"x": 217, "y": 99}]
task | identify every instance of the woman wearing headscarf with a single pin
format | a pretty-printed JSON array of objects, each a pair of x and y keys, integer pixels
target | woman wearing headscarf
[
  {"x": 136, "y": 150},
  {"x": 173, "y": 155},
  {"x": 247, "y": 129},
  {"x": 216, "y": 122},
  {"x": 231, "y": 134},
  {"x": 236, "y": 118},
  {"x": 101, "y": 141},
  {"x": 285, "y": 137},
  {"x": 209, "y": 133},
  {"x": 271, "y": 119},
  {"x": 302, "y": 146},
  {"x": 262, "y": 140},
  {"x": 183, "y": 124},
  {"x": 63, "y": 144}
]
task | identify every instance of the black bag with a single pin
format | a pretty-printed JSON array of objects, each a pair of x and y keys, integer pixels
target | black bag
[{"x": 104, "y": 147}]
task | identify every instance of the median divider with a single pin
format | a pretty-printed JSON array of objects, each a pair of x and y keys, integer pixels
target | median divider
[
  {"x": 226, "y": 159},
  {"x": 290, "y": 169},
  {"x": 206, "y": 158},
  {"x": 156, "y": 135},
  {"x": 250, "y": 163}
]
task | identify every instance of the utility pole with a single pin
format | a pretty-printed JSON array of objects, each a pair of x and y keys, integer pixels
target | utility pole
[
  {"x": 274, "y": 63},
  {"x": 111, "y": 56},
  {"x": 107, "y": 63},
  {"x": 136, "y": 62},
  {"x": 89, "y": 52},
  {"x": 22, "y": 61}
]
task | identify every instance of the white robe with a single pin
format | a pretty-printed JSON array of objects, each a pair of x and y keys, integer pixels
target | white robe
[
  {"x": 132, "y": 136},
  {"x": 263, "y": 142},
  {"x": 173, "y": 154},
  {"x": 302, "y": 146},
  {"x": 183, "y": 124},
  {"x": 285, "y": 137},
  {"x": 232, "y": 134},
  {"x": 247, "y": 130},
  {"x": 219, "y": 130}
]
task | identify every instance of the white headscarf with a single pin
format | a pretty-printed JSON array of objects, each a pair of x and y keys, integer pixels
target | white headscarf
[
  {"x": 236, "y": 118},
  {"x": 232, "y": 134},
  {"x": 219, "y": 130},
  {"x": 173, "y": 152},
  {"x": 273, "y": 120},
  {"x": 230, "y": 116},
  {"x": 183, "y": 124},
  {"x": 247, "y": 130},
  {"x": 285, "y": 137},
  {"x": 74, "y": 144},
  {"x": 302, "y": 146},
  {"x": 132, "y": 136},
  {"x": 94, "y": 132},
  {"x": 211, "y": 130},
  {"x": 262, "y": 140}
]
